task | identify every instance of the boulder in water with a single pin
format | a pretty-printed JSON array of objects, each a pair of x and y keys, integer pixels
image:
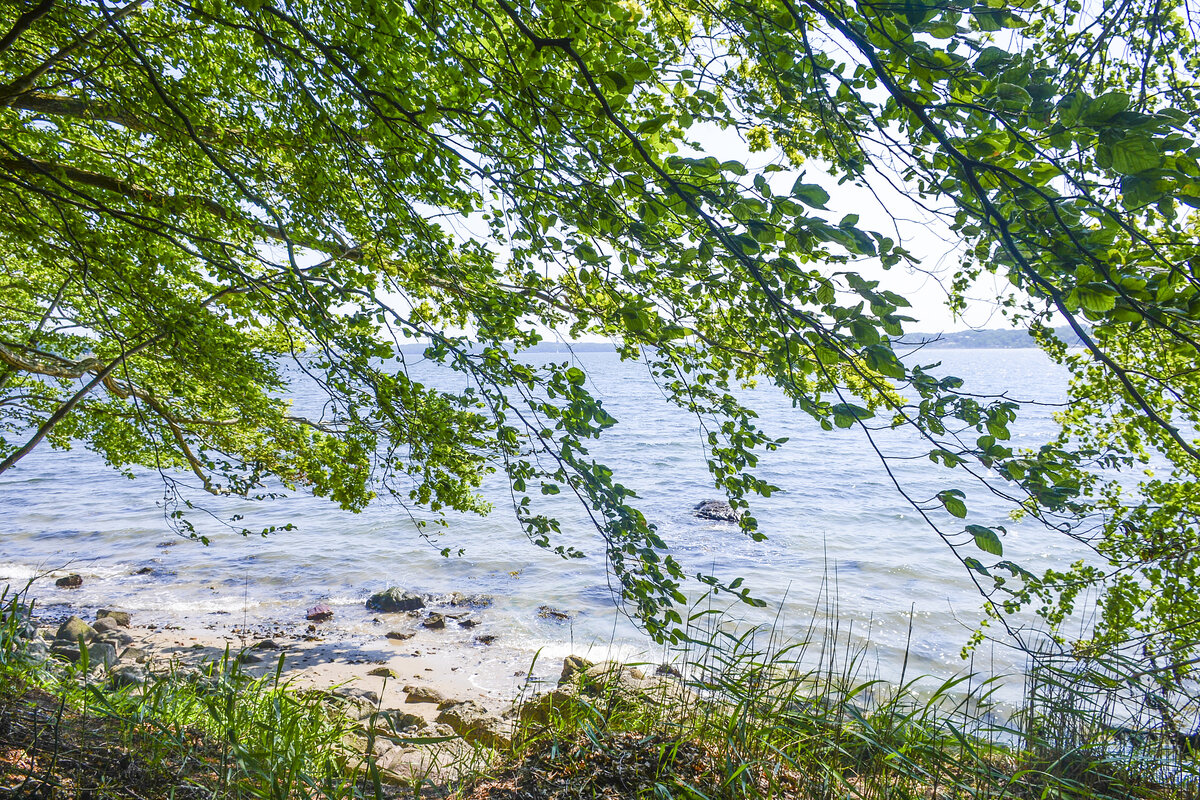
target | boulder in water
[
  {"x": 72, "y": 581},
  {"x": 395, "y": 600},
  {"x": 717, "y": 510}
]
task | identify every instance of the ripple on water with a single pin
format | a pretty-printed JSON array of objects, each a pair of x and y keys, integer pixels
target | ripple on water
[{"x": 838, "y": 530}]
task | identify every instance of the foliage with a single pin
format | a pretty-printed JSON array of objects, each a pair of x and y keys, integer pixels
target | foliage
[
  {"x": 211, "y": 202},
  {"x": 216, "y": 732},
  {"x": 754, "y": 714}
]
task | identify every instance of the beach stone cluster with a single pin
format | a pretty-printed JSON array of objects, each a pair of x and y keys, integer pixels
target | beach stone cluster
[
  {"x": 440, "y": 611},
  {"x": 106, "y": 643}
]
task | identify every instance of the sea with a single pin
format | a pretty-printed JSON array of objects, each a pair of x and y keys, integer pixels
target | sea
[{"x": 846, "y": 552}]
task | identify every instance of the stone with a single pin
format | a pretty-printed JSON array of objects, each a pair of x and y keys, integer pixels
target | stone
[
  {"x": 135, "y": 654},
  {"x": 404, "y": 720},
  {"x": 472, "y": 600},
  {"x": 105, "y": 624},
  {"x": 354, "y": 693},
  {"x": 102, "y": 654},
  {"x": 145, "y": 571},
  {"x": 265, "y": 644},
  {"x": 116, "y": 638},
  {"x": 434, "y": 621},
  {"x": 400, "y": 636},
  {"x": 131, "y": 675},
  {"x": 395, "y": 600},
  {"x": 72, "y": 581},
  {"x": 558, "y": 702},
  {"x": 469, "y": 622},
  {"x": 548, "y": 612},
  {"x": 358, "y": 703},
  {"x": 383, "y": 672},
  {"x": 474, "y": 723},
  {"x": 122, "y": 618},
  {"x": 37, "y": 650},
  {"x": 246, "y": 657},
  {"x": 65, "y": 651},
  {"x": 611, "y": 678},
  {"x": 423, "y": 694},
  {"x": 716, "y": 510},
  {"x": 572, "y": 666},
  {"x": 72, "y": 629},
  {"x": 319, "y": 613},
  {"x": 485, "y": 638}
]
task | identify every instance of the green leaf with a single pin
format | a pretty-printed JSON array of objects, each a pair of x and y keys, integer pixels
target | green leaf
[
  {"x": 1013, "y": 96},
  {"x": 986, "y": 539},
  {"x": 1134, "y": 154},
  {"x": 810, "y": 194},
  {"x": 952, "y": 500},
  {"x": 1105, "y": 107}
]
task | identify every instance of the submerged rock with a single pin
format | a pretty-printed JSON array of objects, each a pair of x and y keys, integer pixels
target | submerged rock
[
  {"x": 400, "y": 636},
  {"x": 395, "y": 600},
  {"x": 717, "y": 510},
  {"x": 471, "y": 600},
  {"x": 72, "y": 581},
  {"x": 547, "y": 612}
]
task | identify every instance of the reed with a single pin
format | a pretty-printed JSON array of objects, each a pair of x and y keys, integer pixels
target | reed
[{"x": 748, "y": 713}]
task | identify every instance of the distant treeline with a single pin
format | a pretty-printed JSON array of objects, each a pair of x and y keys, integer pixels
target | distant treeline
[{"x": 999, "y": 338}]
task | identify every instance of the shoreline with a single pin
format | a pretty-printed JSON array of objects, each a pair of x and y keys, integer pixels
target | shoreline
[{"x": 456, "y": 663}]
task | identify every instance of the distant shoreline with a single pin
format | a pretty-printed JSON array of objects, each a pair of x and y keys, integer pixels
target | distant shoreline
[{"x": 988, "y": 339}]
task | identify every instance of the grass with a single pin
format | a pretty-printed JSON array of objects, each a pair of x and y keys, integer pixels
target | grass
[
  {"x": 759, "y": 717},
  {"x": 215, "y": 732},
  {"x": 749, "y": 715}
]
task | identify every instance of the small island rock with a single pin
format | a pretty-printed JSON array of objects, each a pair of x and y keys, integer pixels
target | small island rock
[{"x": 717, "y": 510}]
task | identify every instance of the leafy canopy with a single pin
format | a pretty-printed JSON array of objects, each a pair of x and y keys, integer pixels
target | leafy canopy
[{"x": 207, "y": 201}]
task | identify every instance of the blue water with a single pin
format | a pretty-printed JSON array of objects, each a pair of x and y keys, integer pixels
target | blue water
[{"x": 839, "y": 532}]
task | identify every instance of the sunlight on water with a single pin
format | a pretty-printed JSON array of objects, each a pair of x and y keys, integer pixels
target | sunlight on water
[{"x": 840, "y": 534}]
